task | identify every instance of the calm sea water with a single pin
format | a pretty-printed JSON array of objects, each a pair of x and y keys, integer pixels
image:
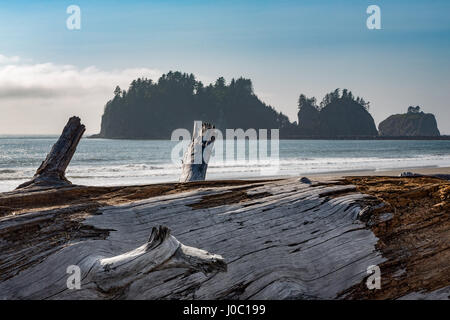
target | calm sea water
[{"x": 120, "y": 162}]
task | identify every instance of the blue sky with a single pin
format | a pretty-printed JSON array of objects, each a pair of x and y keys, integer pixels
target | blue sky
[{"x": 285, "y": 47}]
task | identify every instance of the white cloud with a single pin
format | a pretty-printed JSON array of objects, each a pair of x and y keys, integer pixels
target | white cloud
[
  {"x": 5, "y": 59},
  {"x": 48, "y": 80},
  {"x": 38, "y": 98}
]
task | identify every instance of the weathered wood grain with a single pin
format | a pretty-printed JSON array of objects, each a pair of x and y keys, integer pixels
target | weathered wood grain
[
  {"x": 52, "y": 171},
  {"x": 273, "y": 239},
  {"x": 294, "y": 243},
  {"x": 196, "y": 157}
]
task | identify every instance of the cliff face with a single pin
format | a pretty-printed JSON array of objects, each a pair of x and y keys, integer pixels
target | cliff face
[{"x": 409, "y": 124}]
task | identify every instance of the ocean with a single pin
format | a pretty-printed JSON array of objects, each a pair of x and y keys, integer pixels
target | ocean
[{"x": 129, "y": 162}]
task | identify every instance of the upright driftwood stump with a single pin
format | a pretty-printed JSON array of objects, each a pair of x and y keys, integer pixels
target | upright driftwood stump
[
  {"x": 195, "y": 161},
  {"x": 53, "y": 169}
]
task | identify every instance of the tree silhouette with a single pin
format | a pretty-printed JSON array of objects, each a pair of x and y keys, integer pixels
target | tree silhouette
[{"x": 412, "y": 109}]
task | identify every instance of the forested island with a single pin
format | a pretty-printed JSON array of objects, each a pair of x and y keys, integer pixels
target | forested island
[{"x": 152, "y": 110}]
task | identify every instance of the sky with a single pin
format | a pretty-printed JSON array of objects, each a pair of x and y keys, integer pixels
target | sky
[{"x": 49, "y": 73}]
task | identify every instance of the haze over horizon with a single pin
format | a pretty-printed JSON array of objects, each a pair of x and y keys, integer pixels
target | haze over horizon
[{"x": 49, "y": 73}]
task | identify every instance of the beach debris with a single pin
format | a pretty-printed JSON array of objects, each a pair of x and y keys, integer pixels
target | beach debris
[
  {"x": 408, "y": 174},
  {"x": 52, "y": 171},
  {"x": 305, "y": 180},
  {"x": 196, "y": 157},
  {"x": 439, "y": 175}
]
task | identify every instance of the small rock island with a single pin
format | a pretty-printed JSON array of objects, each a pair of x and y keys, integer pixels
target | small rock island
[{"x": 413, "y": 123}]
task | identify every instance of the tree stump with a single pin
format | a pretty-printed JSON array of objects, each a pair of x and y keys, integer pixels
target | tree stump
[
  {"x": 196, "y": 158},
  {"x": 52, "y": 171}
]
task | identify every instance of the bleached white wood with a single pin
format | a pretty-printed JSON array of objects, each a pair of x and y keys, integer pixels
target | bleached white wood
[
  {"x": 283, "y": 240},
  {"x": 295, "y": 242},
  {"x": 198, "y": 153},
  {"x": 162, "y": 251}
]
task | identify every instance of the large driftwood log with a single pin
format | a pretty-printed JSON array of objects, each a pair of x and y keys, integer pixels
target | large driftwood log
[
  {"x": 197, "y": 155},
  {"x": 52, "y": 171},
  {"x": 280, "y": 239}
]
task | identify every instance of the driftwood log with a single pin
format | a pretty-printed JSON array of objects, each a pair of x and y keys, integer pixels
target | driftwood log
[
  {"x": 52, "y": 171},
  {"x": 198, "y": 153},
  {"x": 276, "y": 239},
  {"x": 282, "y": 239}
]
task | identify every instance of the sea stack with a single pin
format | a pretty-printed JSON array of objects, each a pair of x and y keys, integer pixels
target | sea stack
[{"x": 414, "y": 123}]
